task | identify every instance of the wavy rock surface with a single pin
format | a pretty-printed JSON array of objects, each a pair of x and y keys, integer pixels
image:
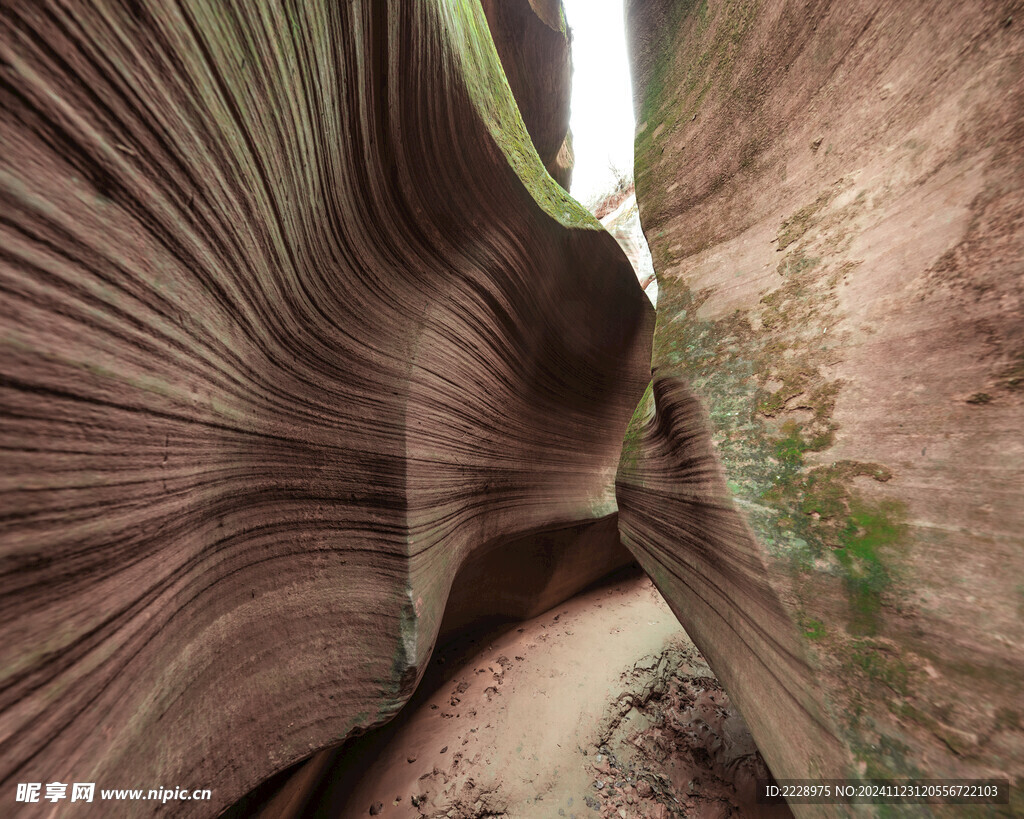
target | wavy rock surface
[
  {"x": 533, "y": 43},
  {"x": 294, "y": 322},
  {"x": 826, "y": 478}
]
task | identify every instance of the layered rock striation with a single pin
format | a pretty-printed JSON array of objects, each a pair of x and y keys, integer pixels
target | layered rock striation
[
  {"x": 294, "y": 324},
  {"x": 535, "y": 48},
  {"x": 826, "y": 477}
]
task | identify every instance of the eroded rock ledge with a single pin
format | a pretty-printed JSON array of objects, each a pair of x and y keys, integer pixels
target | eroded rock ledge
[
  {"x": 294, "y": 320},
  {"x": 826, "y": 478}
]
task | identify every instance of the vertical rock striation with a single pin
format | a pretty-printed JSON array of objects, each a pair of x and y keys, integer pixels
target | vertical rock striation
[
  {"x": 294, "y": 321},
  {"x": 826, "y": 477}
]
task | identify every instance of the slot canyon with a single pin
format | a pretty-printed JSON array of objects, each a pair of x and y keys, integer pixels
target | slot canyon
[{"x": 349, "y": 470}]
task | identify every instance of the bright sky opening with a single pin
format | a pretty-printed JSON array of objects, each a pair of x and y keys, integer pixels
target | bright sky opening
[{"x": 602, "y": 97}]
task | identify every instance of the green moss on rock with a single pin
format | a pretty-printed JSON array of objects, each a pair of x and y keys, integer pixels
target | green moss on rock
[
  {"x": 761, "y": 373},
  {"x": 492, "y": 97},
  {"x": 794, "y": 228},
  {"x": 631, "y": 444}
]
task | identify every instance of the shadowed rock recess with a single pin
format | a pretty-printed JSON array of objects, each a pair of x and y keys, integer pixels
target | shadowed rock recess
[
  {"x": 826, "y": 477},
  {"x": 295, "y": 324}
]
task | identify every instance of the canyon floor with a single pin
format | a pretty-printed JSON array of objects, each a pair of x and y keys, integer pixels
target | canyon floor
[{"x": 600, "y": 707}]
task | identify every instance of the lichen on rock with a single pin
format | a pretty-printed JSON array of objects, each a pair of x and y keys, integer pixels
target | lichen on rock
[{"x": 811, "y": 187}]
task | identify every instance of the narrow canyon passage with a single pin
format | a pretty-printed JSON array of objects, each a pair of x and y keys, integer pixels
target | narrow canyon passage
[
  {"x": 602, "y": 125},
  {"x": 525, "y": 720},
  {"x": 311, "y": 367},
  {"x": 600, "y": 706}
]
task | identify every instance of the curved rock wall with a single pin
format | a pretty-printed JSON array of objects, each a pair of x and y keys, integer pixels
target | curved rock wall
[
  {"x": 293, "y": 322},
  {"x": 533, "y": 42},
  {"x": 826, "y": 478}
]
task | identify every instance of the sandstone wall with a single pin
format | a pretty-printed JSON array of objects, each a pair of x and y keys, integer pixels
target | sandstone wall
[
  {"x": 293, "y": 322},
  {"x": 535, "y": 47},
  {"x": 826, "y": 478}
]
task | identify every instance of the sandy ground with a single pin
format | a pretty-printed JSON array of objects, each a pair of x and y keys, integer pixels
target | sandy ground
[{"x": 600, "y": 707}]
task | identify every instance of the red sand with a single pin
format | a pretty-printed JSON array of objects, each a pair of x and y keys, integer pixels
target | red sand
[{"x": 600, "y": 707}]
